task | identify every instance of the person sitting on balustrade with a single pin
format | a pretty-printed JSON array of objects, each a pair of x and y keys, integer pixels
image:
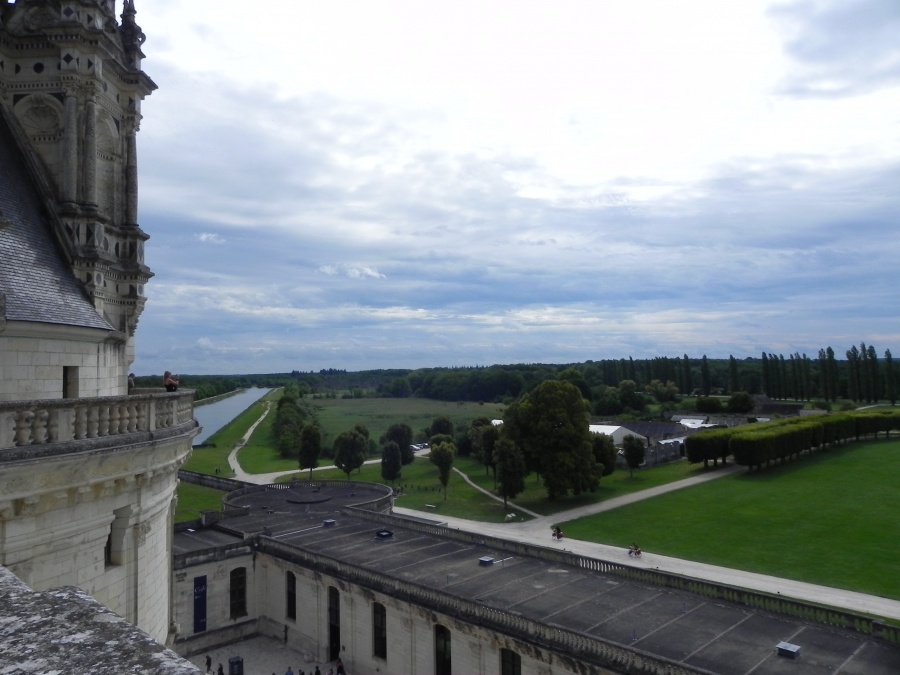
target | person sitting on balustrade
[{"x": 170, "y": 381}]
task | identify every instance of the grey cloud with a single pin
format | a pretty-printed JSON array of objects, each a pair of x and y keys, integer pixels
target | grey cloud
[{"x": 841, "y": 48}]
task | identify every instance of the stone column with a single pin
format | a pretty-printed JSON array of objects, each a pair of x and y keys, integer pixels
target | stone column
[
  {"x": 70, "y": 149},
  {"x": 90, "y": 151}
]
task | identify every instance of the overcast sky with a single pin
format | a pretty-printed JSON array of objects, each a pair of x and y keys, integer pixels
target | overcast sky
[{"x": 387, "y": 184}]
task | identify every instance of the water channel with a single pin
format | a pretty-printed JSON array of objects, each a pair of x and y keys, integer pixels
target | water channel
[{"x": 216, "y": 414}]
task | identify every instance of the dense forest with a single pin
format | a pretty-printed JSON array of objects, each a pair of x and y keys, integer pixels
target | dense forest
[{"x": 613, "y": 386}]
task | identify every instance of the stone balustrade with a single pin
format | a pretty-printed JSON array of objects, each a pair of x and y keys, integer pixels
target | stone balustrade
[{"x": 25, "y": 424}]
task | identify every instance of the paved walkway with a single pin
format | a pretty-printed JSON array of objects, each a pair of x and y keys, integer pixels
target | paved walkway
[{"x": 538, "y": 530}]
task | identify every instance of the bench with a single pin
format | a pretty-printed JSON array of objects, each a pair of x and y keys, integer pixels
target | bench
[
  {"x": 430, "y": 506},
  {"x": 788, "y": 650}
]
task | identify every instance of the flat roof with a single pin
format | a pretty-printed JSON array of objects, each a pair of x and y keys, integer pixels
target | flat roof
[{"x": 696, "y": 631}]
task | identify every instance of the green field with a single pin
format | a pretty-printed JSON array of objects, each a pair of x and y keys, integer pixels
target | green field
[
  {"x": 829, "y": 519},
  {"x": 377, "y": 414}
]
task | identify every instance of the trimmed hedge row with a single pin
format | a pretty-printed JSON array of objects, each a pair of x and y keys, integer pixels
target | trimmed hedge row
[{"x": 753, "y": 445}]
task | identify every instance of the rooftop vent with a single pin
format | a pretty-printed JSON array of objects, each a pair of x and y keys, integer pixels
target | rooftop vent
[{"x": 788, "y": 650}]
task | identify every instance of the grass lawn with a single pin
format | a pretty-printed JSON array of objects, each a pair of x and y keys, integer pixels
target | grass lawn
[
  {"x": 193, "y": 499},
  {"x": 377, "y": 414},
  {"x": 828, "y": 519}
]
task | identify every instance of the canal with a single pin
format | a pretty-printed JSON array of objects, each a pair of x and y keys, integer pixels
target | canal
[{"x": 215, "y": 415}]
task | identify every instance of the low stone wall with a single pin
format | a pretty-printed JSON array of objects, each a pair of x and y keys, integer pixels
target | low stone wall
[{"x": 76, "y": 634}]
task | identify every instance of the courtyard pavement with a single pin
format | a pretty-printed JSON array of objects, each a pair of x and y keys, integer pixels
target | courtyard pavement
[{"x": 262, "y": 656}]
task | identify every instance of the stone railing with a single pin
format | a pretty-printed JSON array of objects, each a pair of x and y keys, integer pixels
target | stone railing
[{"x": 25, "y": 424}]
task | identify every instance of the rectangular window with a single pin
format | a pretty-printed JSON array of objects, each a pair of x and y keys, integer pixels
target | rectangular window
[
  {"x": 291, "y": 595},
  {"x": 238, "y": 592},
  {"x": 510, "y": 663},
  {"x": 379, "y": 631},
  {"x": 442, "y": 664},
  {"x": 70, "y": 382},
  {"x": 334, "y": 623}
]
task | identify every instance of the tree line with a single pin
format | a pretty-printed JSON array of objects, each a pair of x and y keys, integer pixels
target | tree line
[
  {"x": 863, "y": 375},
  {"x": 758, "y": 445}
]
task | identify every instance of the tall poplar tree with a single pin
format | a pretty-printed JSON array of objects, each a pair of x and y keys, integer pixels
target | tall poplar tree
[{"x": 890, "y": 383}]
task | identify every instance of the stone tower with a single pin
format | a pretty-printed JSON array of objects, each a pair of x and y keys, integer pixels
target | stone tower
[
  {"x": 72, "y": 84},
  {"x": 88, "y": 469}
]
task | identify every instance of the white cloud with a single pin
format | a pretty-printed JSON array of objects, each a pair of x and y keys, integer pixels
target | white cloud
[{"x": 549, "y": 182}]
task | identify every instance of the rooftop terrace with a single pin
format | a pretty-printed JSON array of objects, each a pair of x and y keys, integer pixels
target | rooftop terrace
[{"x": 546, "y": 595}]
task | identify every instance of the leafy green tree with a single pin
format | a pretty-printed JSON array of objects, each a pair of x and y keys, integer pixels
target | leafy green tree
[
  {"x": 605, "y": 452},
  {"x": 310, "y": 447},
  {"x": 709, "y": 404},
  {"x": 576, "y": 377},
  {"x": 607, "y": 402},
  {"x": 510, "y": 465},
  {"x": 402, "y": 435},
  {"x": 399, "y": 388},
  {"x": 629, "y": 396},
  {"x": 391, "y": 463},
  {"x": 740, "y": 402},
  {"x": 442, "y": 456},
  {"x": 287, "y": 426},
  {"x": 489, "y": 438},
  {"x": 437, "y": 439},
  {"x": 349, "y": 451},
  {"x": 663, "y": 392},
  {"x": 550, "y": 425},
  {"x": 634, "y": 451},
  {"x": 482, "y": 436},
  {"x": 441, "y": 425}
]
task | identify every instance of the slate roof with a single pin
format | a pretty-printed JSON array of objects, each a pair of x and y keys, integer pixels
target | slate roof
[
  {"x": 655, "y": 430},
  {"x": 38, "y": 282}
]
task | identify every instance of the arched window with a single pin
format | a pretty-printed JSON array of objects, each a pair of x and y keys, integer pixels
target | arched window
[
  {"x": 441, "y": 650},
  {"x": 238, "y": 592},
  {"x": 379, "y": 631}
]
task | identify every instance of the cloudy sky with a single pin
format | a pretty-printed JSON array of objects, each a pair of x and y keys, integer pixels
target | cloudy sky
[{"x": 379, "y": 184}]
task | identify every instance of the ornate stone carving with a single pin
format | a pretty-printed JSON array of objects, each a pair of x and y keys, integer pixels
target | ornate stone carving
[
  {"x": 42, "y": 119},
  {"x": 141, "y": 530}
]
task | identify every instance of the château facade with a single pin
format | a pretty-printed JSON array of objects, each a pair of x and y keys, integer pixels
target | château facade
[{"x": 88, "y": 470}]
